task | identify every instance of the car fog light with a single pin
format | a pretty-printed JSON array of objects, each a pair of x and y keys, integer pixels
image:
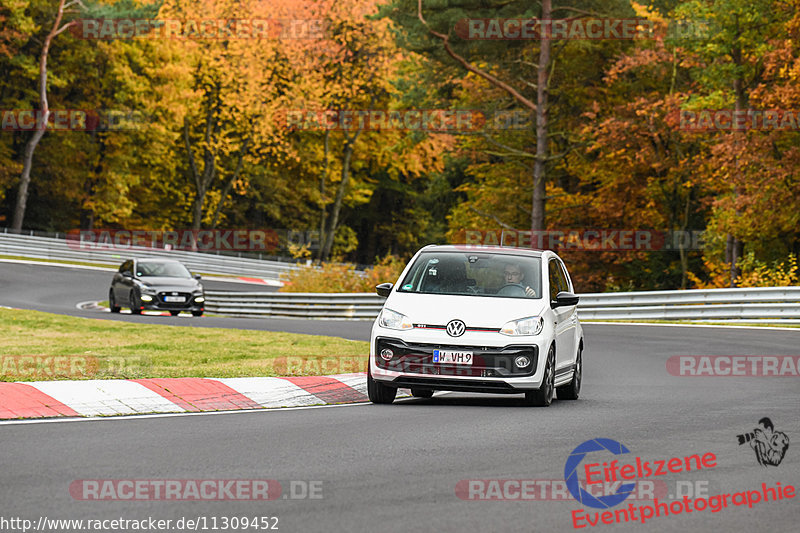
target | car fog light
[
  {"x": 199, "y": 299},
  {"x": 387, "y": 354},
  {"x": 146, "y": 298},
  {"x": 522, "y": 361}
]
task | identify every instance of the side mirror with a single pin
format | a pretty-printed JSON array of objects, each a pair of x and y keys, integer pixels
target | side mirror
[
  {"x": 127, "y": 274},
  {"x": 384, "y": 289},
  {"x": 564, "y": 299},
  {"x": 198, "y": 277}
]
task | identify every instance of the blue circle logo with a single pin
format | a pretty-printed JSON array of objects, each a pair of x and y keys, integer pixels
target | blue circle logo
[{"x": 571, "y": 475}]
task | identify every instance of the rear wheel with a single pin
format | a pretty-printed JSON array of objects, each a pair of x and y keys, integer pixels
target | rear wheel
[
  {"x": 421, "y": 393},
  {"x": 544, "y": 396},
  {"x": 571, "y": 390},
  {"x": 174, "y": 313},
  {"x": 112, "y": 302},
  {"x": 378, "y": 392},
  {"x": 136, "y": 306}
]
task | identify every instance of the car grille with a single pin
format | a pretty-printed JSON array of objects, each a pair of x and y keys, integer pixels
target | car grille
[
  {"x": 488, "y": 361},
  {"x": 187, "y": 296}
]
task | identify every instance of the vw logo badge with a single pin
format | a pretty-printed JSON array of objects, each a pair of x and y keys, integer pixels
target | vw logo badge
[{"x": 456, "y": 328}]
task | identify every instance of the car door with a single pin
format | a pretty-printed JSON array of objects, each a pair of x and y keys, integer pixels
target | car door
[
  {"x": 122, "y": 282},
  {"x": 570, "y": 317},
  {"x": 565, "y": 331}
]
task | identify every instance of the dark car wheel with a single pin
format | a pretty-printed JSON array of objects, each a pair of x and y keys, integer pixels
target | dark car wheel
[
  {"x": 112, "y": 302},
  {"x": 572, "y": 390},
  {"x": 174, "y": 313},
  {"x": 378, "y": 392},
  {"x": 136, "y": 306},
  {"x": 197, "y": 313},
  {"x": 421, "y": 393},
  {"x": 544, "y": 396}
]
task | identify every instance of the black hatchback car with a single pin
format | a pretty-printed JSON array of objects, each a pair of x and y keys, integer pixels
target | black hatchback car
[{"x": 160, "y": 284}]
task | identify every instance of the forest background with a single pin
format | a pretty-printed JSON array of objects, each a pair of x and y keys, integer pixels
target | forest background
[{"x": 581, "y": 134}]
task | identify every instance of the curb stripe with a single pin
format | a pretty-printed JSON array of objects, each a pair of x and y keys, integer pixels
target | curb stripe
[
  {"x": 20, "y": 400},
  {"x": 199, "y": 394},
  {"x": 328, "y": 389},
  {"x": 271, "y": 392},
  {"x": 106, "y": 397}
]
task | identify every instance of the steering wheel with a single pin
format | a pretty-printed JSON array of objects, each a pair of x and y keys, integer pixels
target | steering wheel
[{"x": 512, "y": 289}]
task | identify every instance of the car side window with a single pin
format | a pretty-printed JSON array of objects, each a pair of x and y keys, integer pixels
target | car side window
[
  {"x": 564, "y": 278},
  {"x": 554, "y": 276},
  {"x": 127, "y": 266}
]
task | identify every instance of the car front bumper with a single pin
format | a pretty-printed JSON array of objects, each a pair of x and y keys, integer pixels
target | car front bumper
[{"x": 492, "y": 370}]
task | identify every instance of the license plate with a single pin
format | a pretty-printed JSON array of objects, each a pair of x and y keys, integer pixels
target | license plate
[
  {"x": 452, "y": 357},
  {"x": 174, "y": 299}
]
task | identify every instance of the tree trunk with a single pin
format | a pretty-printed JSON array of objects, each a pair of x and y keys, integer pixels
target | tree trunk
[
  {"x": 30, "y": 147},
  {"x": 323, "y": 211},
  {"x": 229, "y": 184},
  {"x": 542, "y": 92},
  {"x": 347, "y": 154}
]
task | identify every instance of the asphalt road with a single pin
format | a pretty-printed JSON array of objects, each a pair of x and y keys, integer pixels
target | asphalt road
[
  {"x": 396, "y": 467},
  {"x": 57, "y": 289}
]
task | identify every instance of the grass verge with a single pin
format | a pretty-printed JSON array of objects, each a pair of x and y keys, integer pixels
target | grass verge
[{"x": 37, "y": 346}]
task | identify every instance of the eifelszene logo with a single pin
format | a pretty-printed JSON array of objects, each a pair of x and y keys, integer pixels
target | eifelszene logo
[
  {"x": 573, "y": 483},
  {"x": 770, "y": 445}
]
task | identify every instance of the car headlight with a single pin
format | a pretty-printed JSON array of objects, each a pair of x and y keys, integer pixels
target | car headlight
[
  {"x": 524, "y": 326},
  {"x": 393, "y": 320}
]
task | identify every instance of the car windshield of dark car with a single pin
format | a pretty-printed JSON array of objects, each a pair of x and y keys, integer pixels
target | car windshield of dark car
[
  {"x": 162, "y": 270},
  {"x": 475, "y": 274}
]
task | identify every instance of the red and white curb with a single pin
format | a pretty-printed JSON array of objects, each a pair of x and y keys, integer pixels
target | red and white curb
[{"x": 108, "y": 397}]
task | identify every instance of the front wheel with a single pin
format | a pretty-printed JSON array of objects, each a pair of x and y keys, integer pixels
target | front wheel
[
  {"x": 571, "y": 390},
  {"x": 543, "y": 397},
  {"x": 174, "y": 313},
  {"x": 197, "y": 313},
  {"x": 136, "y": 306},
  {"x": 112, "y": 302},
  {"x": 378, "y": 392}
]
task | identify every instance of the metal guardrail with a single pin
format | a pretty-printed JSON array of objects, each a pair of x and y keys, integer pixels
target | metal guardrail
[
  {"x": 53, "y": 248},
  {"x": 778, "y": 304}
]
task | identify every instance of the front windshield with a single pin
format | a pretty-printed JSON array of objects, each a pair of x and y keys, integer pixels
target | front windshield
[
  {"x": 162, "y": 270},
  {"x": 475, "y": 274}
]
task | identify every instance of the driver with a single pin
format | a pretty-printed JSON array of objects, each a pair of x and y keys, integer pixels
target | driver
[{"x": 514, "y": 276}]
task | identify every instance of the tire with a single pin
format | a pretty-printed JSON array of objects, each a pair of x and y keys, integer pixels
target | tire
[
  {"x": 174, "y": 313},
  {"x": 197, "y": 313},
  {"x": 379, "y": 393},
  {"x": 112, "y": 302},
  {"x": 421, "y": 393},
  {"x": 572, "y": 390},
  {"x": 543, "y": 397},
  {"x": 135, "y": 305}
]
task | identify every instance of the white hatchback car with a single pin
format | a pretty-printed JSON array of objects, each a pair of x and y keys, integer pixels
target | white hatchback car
[{"x": 478, "y": 319}]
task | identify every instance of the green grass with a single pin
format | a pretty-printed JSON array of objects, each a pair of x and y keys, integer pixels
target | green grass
[{"x": 38, "y": 346}]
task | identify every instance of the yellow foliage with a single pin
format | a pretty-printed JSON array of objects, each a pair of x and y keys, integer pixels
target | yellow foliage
[{"x": 343, "y": 277}]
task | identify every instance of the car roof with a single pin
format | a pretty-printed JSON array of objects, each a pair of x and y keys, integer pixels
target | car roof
[
  {"x": 504, "y": 250},
  {"x": 154, "y": 260}
]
